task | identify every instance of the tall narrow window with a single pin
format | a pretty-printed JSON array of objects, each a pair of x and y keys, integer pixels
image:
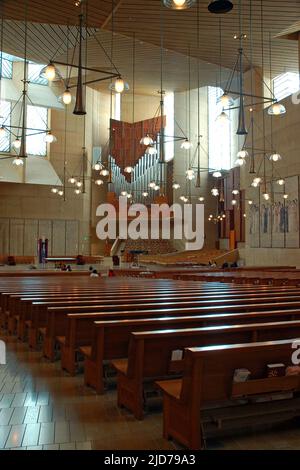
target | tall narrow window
[
  {"x": 117, "y": 110},
  {"x": 7, "y": 66},
  {"x": 5, "y": 111},
  {"x": 219, "y": 133},
  {"x": 37, "y": 118},
  {"x": 285, "y": 85},
  {"x": 34, "y": 74},
  {"x": 169, "y": 129}
]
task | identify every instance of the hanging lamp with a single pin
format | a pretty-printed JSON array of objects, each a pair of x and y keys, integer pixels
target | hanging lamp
[
  {"x": 220, "y": 6},
  {"x": 179, "y": 4},
  {"x": 276, "y": 109}
]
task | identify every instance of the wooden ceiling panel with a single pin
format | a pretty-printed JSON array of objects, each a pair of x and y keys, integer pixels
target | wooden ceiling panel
[
  {"x": 147, "y": 19},
  {"x": 150, "y": 22},
  {"x": 61, "y": 12}
]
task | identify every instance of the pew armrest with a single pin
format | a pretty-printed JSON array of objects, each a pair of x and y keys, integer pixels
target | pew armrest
[
  {"x": 86, "y": 351},
  {"x": 171, "y": 387},
  {"x": 121, "y": 365},
  {"x": 61, "y": 340}
]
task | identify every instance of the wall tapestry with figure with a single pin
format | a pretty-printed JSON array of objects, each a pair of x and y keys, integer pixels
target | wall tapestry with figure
[
  {"x": 291, "y": 205},
  {"x": 254, "y": 222},
  {"x": 275, "y": 223}
]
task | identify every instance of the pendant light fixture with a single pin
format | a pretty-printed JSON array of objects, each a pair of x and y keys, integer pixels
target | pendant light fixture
[
  {"x": 240, "y": 161},
  {"x": 79, "y": 109},
  {"x": 241, "y": 118},
  {"x": 66, "y": 97},
  {"x": 128, "y": 168},
  {"x": 190, "y": 174},
  {"x": 118, "y": 85},
  {"x": 50, "y": 73},
  {"x": 176, "y": 186},
  {"x": 104, "y": 172},
  {"x": 198, "y": 177},
  {"x": 275, "y": 157},
  {"x": 50, "y": 138},
  {"x": 18, "y": 133},
  {"x": 97, "y": 166},
  {"x": 18, "y": 161},
  {"x": 226, "y": 100},
  {"x": 151, "y": 150},
  {"x": 147, "y": 140},
  {"x": 223, "y": 118},
  {"x": 242, "y": 154},
  {"x": 17, "y": 143},
  {"x": 186, "y": 144},
  {"x": 276, "y": 109},
  {"x": 220, "y": 6},
  {"x": 179, "y": 4}
]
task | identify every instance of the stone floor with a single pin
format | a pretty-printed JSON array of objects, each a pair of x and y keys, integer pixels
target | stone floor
[{"x": 43, "y": 408}]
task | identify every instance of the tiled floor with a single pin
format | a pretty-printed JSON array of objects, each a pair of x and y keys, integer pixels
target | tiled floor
[{"x": 43, "y": 408}]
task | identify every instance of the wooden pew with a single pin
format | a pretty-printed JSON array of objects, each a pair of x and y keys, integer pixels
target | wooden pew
[
  {"x": 110, "y": 338},
  {"x": 54, "y": 320},
  {"x": 149, "y": 354},
  {"x": 39, "y": 310},
  {"x": 18, "y": 313},
  {"x": 8, "y": 299},
  {"x": 208, "y": 379}
]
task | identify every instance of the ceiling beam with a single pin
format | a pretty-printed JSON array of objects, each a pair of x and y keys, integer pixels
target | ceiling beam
[{"x": 112, "y": 13}]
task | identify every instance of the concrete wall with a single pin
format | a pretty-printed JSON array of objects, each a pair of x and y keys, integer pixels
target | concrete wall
[
  {"x": 286, "y": 139},
  {"x": 184, "y": 158},
  {"x": 145, "y": 107},
  {"x": 19, "y": 201}
]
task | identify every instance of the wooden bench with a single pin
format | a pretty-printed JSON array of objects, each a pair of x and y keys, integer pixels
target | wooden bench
[
  {"x": 54, "y": 320},
  {"x": 150, "y": 353},
  {"x": 19, "y": 313},
  {"x": 110, "y": 338},
  {"x": 208, "y": 382},
  {"x": 9, "y": 299}
]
